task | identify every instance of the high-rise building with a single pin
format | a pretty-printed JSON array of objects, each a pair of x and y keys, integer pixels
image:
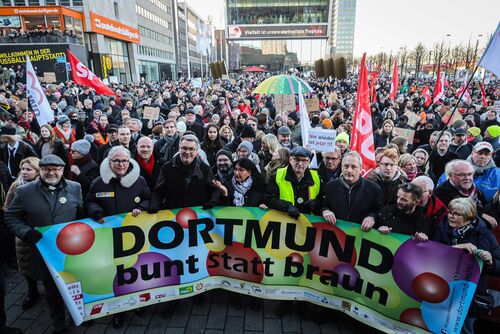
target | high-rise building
[{"x": 341, "y": 41}]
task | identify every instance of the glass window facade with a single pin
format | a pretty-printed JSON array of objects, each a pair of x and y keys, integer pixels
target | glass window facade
[
  {"x": 121, "y": 63},
  {"x": 277, "y": 11},
  {"x": 153, "y": 71}
]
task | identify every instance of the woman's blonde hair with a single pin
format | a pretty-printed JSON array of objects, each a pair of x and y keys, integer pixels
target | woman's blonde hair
[
  {"x": 33, "y": 162},
  {"x": 271, "y": 141},
  {"x": 464, "y": 206},
  {"x": 405, "y": 159}
]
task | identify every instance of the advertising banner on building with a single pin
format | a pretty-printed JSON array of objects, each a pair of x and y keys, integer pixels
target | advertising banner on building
[
  {"x": 236, "y": 32},
  {"x": 115, "y": 29},
  {"x": 390, "y": 282}
]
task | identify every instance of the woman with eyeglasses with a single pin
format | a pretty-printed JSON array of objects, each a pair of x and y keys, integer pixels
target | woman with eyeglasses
[{"x": 464, "y": 229}]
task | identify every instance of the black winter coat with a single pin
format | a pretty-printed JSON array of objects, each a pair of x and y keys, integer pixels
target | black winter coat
[
  {"x": 446, "y": 192},
  {"x": 109, "y": 196},
  {"x": 89, "y": 171},
  {"x": 182, "y": 186},
  {"x": 253, "y": 197},
  {"x": 355, "y": 204},
  {"x": 403, "y": 223}
]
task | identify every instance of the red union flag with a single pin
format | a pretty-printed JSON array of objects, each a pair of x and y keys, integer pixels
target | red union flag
[
  {"x": 428, "y": 98},
  {"x": 438, "y": 88},
  {"x": 83, "y": 76},
  {"x": 395, "y": 81},
  {"x": 362, "y": 131}
]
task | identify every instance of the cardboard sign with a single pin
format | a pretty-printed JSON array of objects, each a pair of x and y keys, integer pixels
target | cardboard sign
[
  {"x": 457, "y": 116},
  {"x": 413, "y": 118},
  {"x": 322, "y": 140},
  {"x": 49, "y": 77},
  {"x": 312, "y": 104},
  {"x": 151, "y": 113},
  {"x": 284, "y": 102},
  {"x": 215, "y": 87},
  {"x": 332, "y": 97},
  {"x": 406, "y": 133}
]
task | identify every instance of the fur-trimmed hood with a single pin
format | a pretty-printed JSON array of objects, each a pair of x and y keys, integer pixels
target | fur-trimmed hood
[{"x": 127, "y": 181}]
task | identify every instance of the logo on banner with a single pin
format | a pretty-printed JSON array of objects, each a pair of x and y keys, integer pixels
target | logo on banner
[{"x": 96, "y": 309}]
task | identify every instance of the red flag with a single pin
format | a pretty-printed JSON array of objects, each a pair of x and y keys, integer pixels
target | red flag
[
  {"x": 362, "y": 131},
  {"x": 483, "y": 94},
  {"x": 463, "y": 89},
  {"x": 228, "y": 107},
  {"x": 375, "y": 74},
  {"x": 438, "y": 88},
  {"x": 428, "y": 98},
  {"x": 83, "y": 76},
  {"x": 395, "y": 81}
]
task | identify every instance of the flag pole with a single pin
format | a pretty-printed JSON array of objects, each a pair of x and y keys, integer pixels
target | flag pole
[{"x": 452, "y": 113}]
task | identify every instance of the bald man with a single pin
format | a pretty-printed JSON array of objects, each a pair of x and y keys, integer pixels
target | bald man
[{"x": 149, "y": 164}]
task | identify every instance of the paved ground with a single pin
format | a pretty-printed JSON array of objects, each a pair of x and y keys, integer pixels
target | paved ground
[{"x": 216, "y": 315}]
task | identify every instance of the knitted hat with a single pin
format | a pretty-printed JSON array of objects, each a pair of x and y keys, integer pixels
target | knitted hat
[
  {"x": 224, "y": 152},
  {"x": 493, "y": 130},
  {"x": 246, "y": 145},
  {"x": 82, "y": 146},
  {"x": 247, "y": 132},
  {"x": 293, "y": 115},
  {"x": 343, "y": 136},
  {"x": 181, "y": 127},
  {"x": 474, "y": 131},
  {"x": 327, "y": 123},
  {"x": 62, "y": 119},
  {"x": 87, "y": 103}
]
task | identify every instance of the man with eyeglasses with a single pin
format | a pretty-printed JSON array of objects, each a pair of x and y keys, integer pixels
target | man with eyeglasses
[
  {"x": 434, "y": 208},
  {"x": 185, "y": 180},
  {"x": 295, "y": 189},
  {"x": 47, "y": 201},
  {"x": 388, "y": 176},
  {"x": 351, "y": 197},
  {"x": 329, "y": 168}
]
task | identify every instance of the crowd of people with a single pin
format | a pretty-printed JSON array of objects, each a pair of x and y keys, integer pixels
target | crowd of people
[{"x": 225, "y": 146}]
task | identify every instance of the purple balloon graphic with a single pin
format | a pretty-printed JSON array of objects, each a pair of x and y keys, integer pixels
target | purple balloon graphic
[
  {"x": 414, "y": 258},
  {"x": 347, "y": 269},
  {"x": 147, "y": 273}
]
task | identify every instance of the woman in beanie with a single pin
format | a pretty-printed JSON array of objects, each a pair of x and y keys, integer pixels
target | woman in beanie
[
  {"x": 64, "y": 131},
  {"x": 29, "y": 172},
  {"x": 49, "y": 143},
  {"x": 84, "y": 169}
]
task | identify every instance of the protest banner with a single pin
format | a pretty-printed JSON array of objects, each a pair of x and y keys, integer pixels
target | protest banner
[
  {"x": 413, "y": 118},
  {"x": 321, "y": 140},
  {"x": 284, "y": 102},
  {"x": 409, "y": 134},
  {"x": 152, "y": 113},
  {"x": 446, "y": 117},
  {"x": 390, "y": 282},
  {"x": 312, "y": 104}
]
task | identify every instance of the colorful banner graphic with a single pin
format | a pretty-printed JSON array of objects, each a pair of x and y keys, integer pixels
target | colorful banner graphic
[{"x": 390, "y": 282}]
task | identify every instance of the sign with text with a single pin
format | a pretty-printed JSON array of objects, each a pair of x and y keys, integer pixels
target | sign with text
[
  {"x": 284, "y": 102},
  {"x": 152, "y": 113},
  {"x": 322, "y": 140},
  {"x": 49, "y": 77},
  {"x": 457, "y": 116},
  {"x": 413, "y": 118},
  {"x": 496, "y": 107},
  {"x": 115, "y": 29},
  {"x": 312, "y": 104},
  {"x": 278, "y": 31},
  {"x": 409, "y": 134},
  {"x": 390, "y": 282}
]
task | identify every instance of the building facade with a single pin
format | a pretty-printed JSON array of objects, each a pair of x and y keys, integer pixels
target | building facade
[{"x": 341, "y": 41}]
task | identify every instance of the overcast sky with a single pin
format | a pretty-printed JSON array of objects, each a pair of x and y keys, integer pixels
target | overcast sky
[{"x": 389, "y": 24}]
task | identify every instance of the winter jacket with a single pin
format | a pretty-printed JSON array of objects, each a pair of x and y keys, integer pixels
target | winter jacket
[
  {"x": 253, "y": 197},
  {"x": 403, "y": 223},
  {"x": 181, "y": 186},
  {"x": 462, "y": 151},
  {"x": 381, "y": 140},
  {"x": 446, "y": 192},
  {"x": 435, "y": 210},
  {"x": 389, "y": 188},
  {"x": 109, "y": 195},
  {"x": 326, "y": 175},
  {"x": 89, "y": 171},
  {"x": 354, "y": 203}
]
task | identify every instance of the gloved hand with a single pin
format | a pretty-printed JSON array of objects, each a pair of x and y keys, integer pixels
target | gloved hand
[
  {"x": 33, "y": 236},
  {"x": 153, "y": 208},
  {"x": 207, "y": 205},
  {"x": 293, "y": 212},
  {"x": 310, "y": 205}
]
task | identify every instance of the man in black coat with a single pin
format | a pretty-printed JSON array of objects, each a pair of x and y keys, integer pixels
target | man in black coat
[
  {"x": 185, "y": 180},
  {"x": 166, "y": 147},
  {"x": 329, "y": 168},
  {"x": 192, "y": 125},
  {"x": 148, "y": 162},
  {"x": 351, "y": 197},
  {"x": 13, "y": 150}
]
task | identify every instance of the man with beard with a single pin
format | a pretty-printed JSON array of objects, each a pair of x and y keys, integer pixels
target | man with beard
[
  {"x": 406, "y": 216},
  {"x": 224, "y": 165},
  {"x": 284, "y": 137},
  {"x": 459, "y": 144},
  {"x": 129, "y": 106},
  {"x": 168, "y": 146},
  {"x": 329, "y": 168}
]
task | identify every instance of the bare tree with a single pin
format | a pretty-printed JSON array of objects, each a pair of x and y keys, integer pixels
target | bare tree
[
  {"x": 439, "y": 54},
  {"x": 403, "y": 58},
  {"x": 417, "y": 57},
  {"x": 469, "y": 55},
  {"x": 457, "y": 58}
]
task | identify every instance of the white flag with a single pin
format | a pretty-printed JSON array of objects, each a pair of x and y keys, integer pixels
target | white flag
[
  {"x": 37, "y": 98},
  {"x": 491, "y": 56},
  {"x": 305, "y": 124}
]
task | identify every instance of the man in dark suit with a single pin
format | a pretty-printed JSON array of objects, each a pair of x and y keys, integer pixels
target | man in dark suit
[{"x": 13, "y": 150}]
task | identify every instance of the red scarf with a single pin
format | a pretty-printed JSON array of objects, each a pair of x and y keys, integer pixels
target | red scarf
[{"x": 147, "y": 166}]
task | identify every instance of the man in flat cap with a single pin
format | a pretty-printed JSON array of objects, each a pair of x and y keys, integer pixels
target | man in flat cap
[
  {"x": 48, "y": 201},
  {"x": 295, "y": 189}
]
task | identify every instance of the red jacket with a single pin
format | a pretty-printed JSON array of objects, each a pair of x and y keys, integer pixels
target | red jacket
[{"x": 435, "y": 209}]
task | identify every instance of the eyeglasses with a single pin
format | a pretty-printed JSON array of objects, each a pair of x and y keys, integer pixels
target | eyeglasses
[
  {"x": 301, "y": 161},
  {"x": 455, "y": 214},
  {"x": 462, "y": 175},
  {"x": 118, "y": 162},
  {"x": 51, "y": 170},
  {"x": 188, "y": 149}
]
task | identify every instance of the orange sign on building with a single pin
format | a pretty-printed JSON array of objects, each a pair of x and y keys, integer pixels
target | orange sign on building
[{"x": 111, "y": 28}]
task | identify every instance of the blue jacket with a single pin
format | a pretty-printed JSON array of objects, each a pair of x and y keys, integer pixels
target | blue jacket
[{"x": 488, "y": 182}]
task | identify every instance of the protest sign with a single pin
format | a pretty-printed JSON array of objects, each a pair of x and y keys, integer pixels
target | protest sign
[
  {"x": 152, "y": 113},
  {"x": 406, "y": 133},
  {"x": 284, "y": 102},
  {"x": 49, "y": 77},
  {"x": 321, "y": 140},
  {"x": 446, "y": 117},
  {"x": 413, "y": 118},
  {"x": 386, "y": 281},
  {"x": 196, "y": 82},
  {"x": 215, "y": 87},
  {"x": 312, "y": 104},
  {"x": 496, "y": 107}
]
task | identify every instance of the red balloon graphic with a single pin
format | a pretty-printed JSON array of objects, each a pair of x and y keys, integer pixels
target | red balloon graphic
[
  {"x": 430, "y": 287},
  {"x": 75, "y": 238},
  {"x": 184, "y": 216},
  {"x": 413, "y": 316},
  {"x": 331, "y": 261},
  {"x": 239, "y": 261}
]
